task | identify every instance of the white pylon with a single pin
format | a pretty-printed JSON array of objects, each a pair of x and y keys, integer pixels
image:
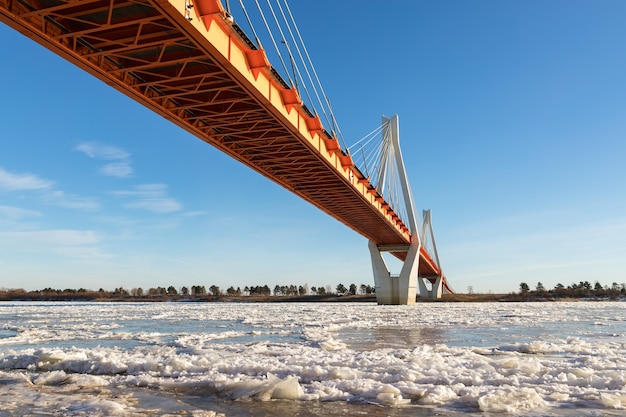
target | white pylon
[
  {"x": 428, "y": 236},
  {"x": 401, "y": 289}
]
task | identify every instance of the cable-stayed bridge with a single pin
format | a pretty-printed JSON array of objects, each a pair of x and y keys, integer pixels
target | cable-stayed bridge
[{"x": 191, "y": 62}]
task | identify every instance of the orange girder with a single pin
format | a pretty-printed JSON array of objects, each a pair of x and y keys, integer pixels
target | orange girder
[{"x": 196, "y": 69}]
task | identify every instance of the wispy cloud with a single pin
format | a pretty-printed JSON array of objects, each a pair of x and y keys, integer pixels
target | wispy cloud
[
  {"x": 99, "y": 151},
  {"x": 193, "y": 213},
  {"x": 82, "y": 253},
  {"x": 47, "y": 190},
  {"x": 67, "y": 243},
  {"x": 55, "y": 237},
  {"x": 120, "y": 168},
  {"x": 15, "y": 182},
  {"x": 17, "y": 213},
  {"x": 61, "y": 199},
  {"x": 151, "y": 197},
  {"x": 117, "y": 169}
]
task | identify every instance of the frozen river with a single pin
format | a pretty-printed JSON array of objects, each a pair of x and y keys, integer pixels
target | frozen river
[{"x": 304, "y": 359}]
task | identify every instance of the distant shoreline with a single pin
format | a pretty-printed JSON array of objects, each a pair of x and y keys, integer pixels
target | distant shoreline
[{"x": 333, "y": 298}]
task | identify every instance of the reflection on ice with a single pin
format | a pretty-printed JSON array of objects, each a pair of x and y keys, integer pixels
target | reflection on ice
[{"x": 391, "y": 337}]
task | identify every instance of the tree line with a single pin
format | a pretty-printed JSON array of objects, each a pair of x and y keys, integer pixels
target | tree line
[
  {"x": 196, "y": 292},
  {"x": 583, "y": 289}
]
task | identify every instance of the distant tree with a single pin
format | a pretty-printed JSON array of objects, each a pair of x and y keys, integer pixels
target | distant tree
[
  {"x": 120, "y": 291},
  {"x": 321, "y": 290},
  {"x": 524, "y": 288},
  {"x": 352, "y": 290},
  {"x": 366, "y": 289},
  {"x": 598, "y": 286},
  {"x": 215, "y": 290},
  {"x": 314, "y": 290},
  {"x": 198, "y": 290},
  {"x": 171, "y": 290},
  {"x": 341, "y": 289},
  {"x": 540, "y": 287},
  {"x": 184, "y": 290},
  {"x": 302, "y": 290},
  {"x": 559, "y": 289}
]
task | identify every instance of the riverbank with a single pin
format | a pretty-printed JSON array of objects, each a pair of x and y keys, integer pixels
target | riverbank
[{"x": 332, "y": 298}]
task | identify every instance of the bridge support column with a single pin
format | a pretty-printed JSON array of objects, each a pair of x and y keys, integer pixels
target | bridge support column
[
  {"x": 436, "y": 288},
  {"x": 401, "y": 289}
]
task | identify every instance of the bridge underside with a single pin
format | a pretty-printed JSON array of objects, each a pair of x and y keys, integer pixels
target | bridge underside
[
  {"x": 195, "y": 68},
  {"x": 145, "y": 49}
]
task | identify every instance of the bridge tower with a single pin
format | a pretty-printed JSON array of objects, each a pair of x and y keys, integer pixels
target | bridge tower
[{"x": 402, "y": 288}]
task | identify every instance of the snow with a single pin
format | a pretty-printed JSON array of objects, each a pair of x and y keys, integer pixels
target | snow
[{"x": 498, "y": 358}]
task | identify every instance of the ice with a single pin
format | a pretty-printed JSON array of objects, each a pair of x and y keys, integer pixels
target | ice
[
  {"x": 51, "y": 378},
  {"x": 271, "y": 388},
  {"x": 285, "y": 389},
  {"x": 613, "y": 400},
  {"x": 498, "y": 358},
  {"x": 438, "y": 394},
  {"x": 391, "y": 395},
  {"x": 201, "y": 413},
  {"x": 97, "y": 407},
  {"x": 511, "y": 400}
]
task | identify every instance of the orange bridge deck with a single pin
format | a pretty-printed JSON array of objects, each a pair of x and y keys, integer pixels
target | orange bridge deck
[{"x": 187, "y": 62}]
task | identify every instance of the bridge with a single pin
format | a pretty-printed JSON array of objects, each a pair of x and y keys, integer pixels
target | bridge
[{"x": 188, "y": 61}]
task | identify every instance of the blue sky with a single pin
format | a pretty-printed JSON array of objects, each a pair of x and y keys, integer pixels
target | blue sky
[{"x": 512, "y": 124}]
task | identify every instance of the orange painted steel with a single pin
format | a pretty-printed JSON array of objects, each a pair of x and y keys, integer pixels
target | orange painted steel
[{"x": 186, "y": 61}]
